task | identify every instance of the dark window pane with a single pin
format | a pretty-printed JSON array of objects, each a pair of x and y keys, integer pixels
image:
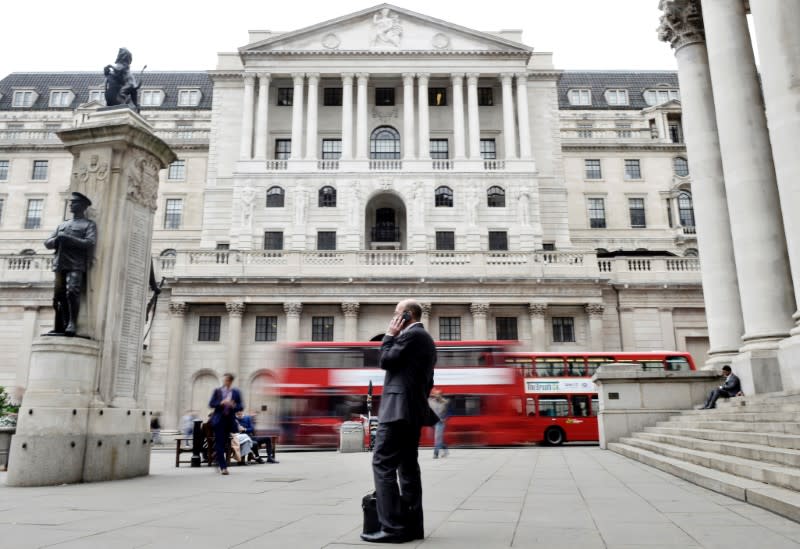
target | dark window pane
[
  {"x": 443, "y": 197},
  {"x": 283, "y": 149},
  {"x": 327, "y": 197},
  {"x": 597, "y": 213},
  {"x": 3, "y": 170},
  {"x": 496, "y": 197},
  {"x": 681, "y": 166},
  {"x": 384, "y": 96},
  {"x": 488, "y": 149},
  {"x": 593, "y": 169},
  {"x": 285, "y": 97},
  {"x": 439, "y": 149},
  {"x": 445, "y": 240},
  {"x": 506, "y": 327},
  {"x": 173, "y": 213},
  {"x": 326, "y": 240},
  {"x": 332, "y": 97},
  {"x": 384, "y": 144},
  {"x": 273, "y": 240},
  {"x": 322, "y": 328},
  {"x": 498, "y": 241},
  {"x": 39, "y": 170},
  {"x": 437, "y": 97},
  {"x": 485, "y": 97},
  {"x": 633, "y": 169},
  {"x": 33, "y": 216},
  {"x": 552, "y": 406},
  {"x": 331, "y": 149},
  {"x": 450, "y": 328},
  {"x": 209, "y": 328},
  {"x": 636, "y": 206},
  {"x": 686, "y": 209},
  {"x": 275, "y": 197},
  {"x": 266, "y": 328},
  {"x": 563, "y": 329},
  {"x": 177, "y": 170}
]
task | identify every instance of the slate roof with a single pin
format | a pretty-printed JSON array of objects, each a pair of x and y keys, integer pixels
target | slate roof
[
  {"x": 81, "y": 82},
  {"x": 599, "y": 81}
]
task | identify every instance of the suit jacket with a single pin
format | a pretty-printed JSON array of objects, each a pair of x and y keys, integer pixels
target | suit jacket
[
  {"x": 408, "y": 360},
  {"x": 224, "y": 414},
  {"x": 76, "y": 245},
  {"x": 732, "y": 385}
]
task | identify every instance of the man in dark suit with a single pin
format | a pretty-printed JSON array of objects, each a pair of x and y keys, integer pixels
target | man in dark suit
[
  {"x": 730, "y": 388},
  {"x": 226, "y": 401},
  {"x": 408, "y": 356}
]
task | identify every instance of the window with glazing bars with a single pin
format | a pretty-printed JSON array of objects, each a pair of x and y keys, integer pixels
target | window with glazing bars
[
  {"x": 485, "y": 97},
  {"x": 273, "y": 240},
  {"x": 332, "y": 97},
  {"x": 443, "y": 197},
  {"x": 496, "y": 197},
  {"x": 209, "y": 328},
  {"x": 563, "y": 329},
  {"x": 327, "y": 197},
  {"x": 326, "y": 240},
  {"x": 592, "y": 167},
  {"x": 173, "y": 213},
  {"x": 439, "y": 149},
  {"x": 331, "y": 149},
  {"x": 633, "y": 169},
  {"x": 177, "y": 170},
  {"x": 283, "y": 149},
  {"x": 4, "y": 170},
  {"x": 39, "y": 170},
  {"x": 498, "y": 241},
  {"x": 384, "y": 144},
  {"x": 450, "y": 328},
  {"x": 275, "y": 197},
  {"x": 445, "y": 240},
  {"x": 266, "y": 328},
  {"x": 321, "y": 328},
  {"x": 285, "y": 97},
  {"x": 686, "y": 209},
  {"x": 597, "y": 213},
  {"x": 506, "y": 327},
  {"x": 488, "y": 149},
  {"x": 636, "y": 207},
  {"x": 679, "y": 165}
]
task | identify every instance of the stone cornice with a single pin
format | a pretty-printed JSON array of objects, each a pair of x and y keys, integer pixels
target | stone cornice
[
  {"x": 384, "y": 53},
  {"x": 623, "y": 147},
  {"x": 681, "y": 23}
]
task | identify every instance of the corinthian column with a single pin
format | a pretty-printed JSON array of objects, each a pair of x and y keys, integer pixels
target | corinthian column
[
  {"x": 293, "y": 311},
  {"x": 426, "y": 315},
  {"x": 509, "y": 132},
  {"x": 172, "y": 393},
  {"x": 682, "y": 27},
  {"x": 350, "y": 311},
  {"x": 297, "y": 116},
  {"x": 347, "y": 115},
  {"x": 424, "y": 117},
  {"x": 246, "y": 146},
  {"x": 537, "y": 312},
  {"x": 595, "y": 312},
  {"x": 458, "y": 115},
  {"x": 479, "y": 313},
  {"x": 523, "y": 119},
  {"x": 311, "y": 116},
  {"x": 235, "y": 312},
  {"x": 362, "y": 139},
  {"x": 261, "y": 116},
  {"x": 472, "y": 112},
  {"x": 408, "y": 115}
]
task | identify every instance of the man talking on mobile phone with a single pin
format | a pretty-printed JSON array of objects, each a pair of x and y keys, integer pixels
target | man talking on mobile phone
[{"x": 408, "y": 356}]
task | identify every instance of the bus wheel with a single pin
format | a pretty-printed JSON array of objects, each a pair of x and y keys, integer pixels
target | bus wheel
[{"x": 554, "y": 436}]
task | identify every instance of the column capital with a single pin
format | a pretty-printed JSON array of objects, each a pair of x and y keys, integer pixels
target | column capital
[
  {"x": 298, "y": 78},
  {"x": 235, "y": 308},
  {"x": 293, "y": 309},
  {"x": 177, "y": 308},
  {"x": 249, "y": 77},
  {"x": 457, "y": 78},
  {"x": 350, "y": 309},
  {"x": 681, "y": 23},
  {"x": 408, "y": 78},
  {"x": 472, "y": 78},
  {"x": 423, "y": 77},
  {"x": 522, "y": 77},
  {"x": 506, "y": 78},
  {"x": 363, "y": 77},
  {"x": 537, "y": 309},
  {"x": 347, "y": 78},
  {"x": 479, "y": 309},
  {"x": 313, "y": 77},
  {"x": 264, "y": 78},
  {"x": 595, "y": 309},
  {"x": 426, "y": 308}
]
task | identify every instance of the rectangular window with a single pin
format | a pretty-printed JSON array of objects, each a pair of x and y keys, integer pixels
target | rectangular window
[
  {"x": 485, "y": 97},
  {"x": 209, "y": 328},
  {"x": 384, "y": 97},
  {"x": 332, "y": 97},
  {"x": 266, "y": 328},
  {"x": 633, "y": 170},
  {"x": 150, "y": 98},
  {"x": 326, "y": 240},
  {"x": 39, "y": 170},
  {"x": 636, "y": 207},
  {"x": 592, "y": 169},
  {"x": 331, "y": 149},
  {"x": 4, "y": 164},
  {"x": 563, "y": 329},
  {"x": 188, "y": 98},
  {"x": 597, "y": 213},
  {"x": 506, "y": 327},
  {"x": 23, "y": 98},
  {"x": 488, "y": 149},
  {"x": 285, "y": 97},
  {"x": 675, "y": 132},
  {"x": 553, "y": 406},
  {"x": 498, "y": 241},
  {"x": 450, "y": 328},
  {"x": 617, "y": 97},
  {"x": 321, "y": 328},
  {"x": 437, "y": 97},
  {"x": 273, "y": 240},
  {"x": 177, "y": 171},
  {"x": 283, "y": 149},
  {"x": 173, "y": 213},
  {"x": 624, "y": 131},
  {"x": 60, "y": 98},
  {"x": 549, "y": 246},
  {"x": 439, "y": 149},
  {"x": 580, "y": 97},
  {"x": 585, "y": 131},
  {"x": 97, "y": 95},
  {"x": 669, "y": 213},
  {"x": 445, "y": 240}
]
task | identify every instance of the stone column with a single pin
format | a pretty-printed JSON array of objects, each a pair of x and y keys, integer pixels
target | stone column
[
  {"x": 682, "y": 27},
  {"x": 293, "y": 311},
  {"x": 426, "y": 315},
  {"x": 311, "y": 117},
  {"x": 424, "y": 117},
  {"x": 479, "y": 313},
  {"x": 350, "y": 311},
  {"x": 362, "y": 136},
  {"x": 474, "y": 120},
  {"x": 509, "y": 131},
  {"x": 627, "y": 335},
  {"x": 246, "y": 148},
  {"x": 235, "y": 313},
  {"x": 408, "y": 116},
  {"x": 347, "y": 115},
  {"x": 458, "y": 115},
  {"x": 261, "y": 116},
  {"x": 537, "y": 312},
  {"x": 30, "y": 316},
  {"x": 172, "y": 393},
  {"x": 765, "y": 287},
  {"x": 297, "y": 116},
  {"x": 595, "y": 313},
  {"x": 523, "y": 120}
]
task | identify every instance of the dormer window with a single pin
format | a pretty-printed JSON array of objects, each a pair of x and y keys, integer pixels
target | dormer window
[
  {"x": 188, "y": 98},
  {"x": 24, "y": 98},
  {"x": 580, "y": 97},
  {"x": 660, "y": 96},
  {"x": 61, "y": 98},
  {"x": 151, "y": 98},
  {"x": 617, "y": 97},
  {"x": 97, "y": 95}
]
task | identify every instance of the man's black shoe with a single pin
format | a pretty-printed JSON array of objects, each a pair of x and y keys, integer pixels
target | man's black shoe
[
  {"x": 272, "y": 460},
  {"x": 385, "y": 537},
  {"x": 260, "y": 460}
]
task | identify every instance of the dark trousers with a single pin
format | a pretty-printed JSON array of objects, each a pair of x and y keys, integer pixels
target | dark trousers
[
  {"x": 711, "y": 402},
  {"x": 398, "y": 484},
  {"x": 222, "y": 434},
  {"x": 267, "y": 442}
]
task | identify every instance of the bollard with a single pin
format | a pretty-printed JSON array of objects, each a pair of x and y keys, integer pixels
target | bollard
[{"x": 197, "y": 443}]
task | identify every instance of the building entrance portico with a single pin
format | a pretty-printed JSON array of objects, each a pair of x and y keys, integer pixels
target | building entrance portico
[{"x": 385, "y": 222}]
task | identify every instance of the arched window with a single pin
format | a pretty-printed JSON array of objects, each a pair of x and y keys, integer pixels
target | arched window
[
  {"x": 27, "y": 251},
  {"x": 443, "y": 197},
  {"x": 496, "y": 197},
  {"x": 680, "y": 166},
  {"x": 691, "y": 252},
  {"x": 384, "y": 144},
  {"x": 169, "y": 252},
  {"x": 275, "y": 197},
  {"x": 327, "y": 197},
  {"x": 686, "y": 209}
]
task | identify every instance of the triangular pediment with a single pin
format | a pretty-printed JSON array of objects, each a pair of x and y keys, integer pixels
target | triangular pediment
[{"x": 386, "y": 28}]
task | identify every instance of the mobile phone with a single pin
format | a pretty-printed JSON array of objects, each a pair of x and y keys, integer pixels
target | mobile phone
[{"x": 406, "y": 317}]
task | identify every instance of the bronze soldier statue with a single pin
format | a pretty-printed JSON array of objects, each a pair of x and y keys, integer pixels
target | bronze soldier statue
[
  {"x": 73, "y": 242},
  {"x": 122, "y": 88}
]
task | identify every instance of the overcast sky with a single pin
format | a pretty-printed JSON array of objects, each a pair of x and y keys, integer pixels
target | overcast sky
[{"x": 53, "y": 35}]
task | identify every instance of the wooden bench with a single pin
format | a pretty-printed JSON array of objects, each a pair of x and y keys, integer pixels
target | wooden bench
[{"x": 181, "y": 448}]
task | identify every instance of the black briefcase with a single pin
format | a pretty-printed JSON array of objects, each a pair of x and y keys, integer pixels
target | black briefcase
[{"x": 370, "y": 506}]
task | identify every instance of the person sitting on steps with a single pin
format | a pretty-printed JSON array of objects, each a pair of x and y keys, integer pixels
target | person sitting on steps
[{"x": 731, "y": 387}]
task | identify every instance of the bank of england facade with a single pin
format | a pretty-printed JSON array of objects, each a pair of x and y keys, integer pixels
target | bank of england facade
[{"x": 326, "y": 173}]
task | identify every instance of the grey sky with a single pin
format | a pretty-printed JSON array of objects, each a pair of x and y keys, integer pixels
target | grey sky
[{"x": 52, "y": 35}]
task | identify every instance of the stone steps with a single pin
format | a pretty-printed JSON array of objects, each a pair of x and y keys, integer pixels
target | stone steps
[
  {"x": 768, "y": 439},
  {"x": 743, "y": 415},
  {"x": 744, "y": 426}
]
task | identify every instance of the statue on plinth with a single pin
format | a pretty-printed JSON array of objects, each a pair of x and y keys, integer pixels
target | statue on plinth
[
  {"x": 73, "y": 242},
  {"x": 122, "y": 87}
]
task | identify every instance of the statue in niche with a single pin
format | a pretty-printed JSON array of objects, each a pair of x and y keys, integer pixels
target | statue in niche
[
  {"x": 524, "y": 200},
  {"x": 419, "y": 204},
  {"x": 300, "y": 205},
  {"x": 387, "y": 28},
  {"x": 472, "y": 207},
  {"x": 122, "y": 87},
  {"x": 73, "y": 242},
  {"x": 248, "y": 198}
]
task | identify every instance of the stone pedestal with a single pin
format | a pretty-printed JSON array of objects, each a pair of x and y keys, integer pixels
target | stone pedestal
[{"x": 83, "y": 417}]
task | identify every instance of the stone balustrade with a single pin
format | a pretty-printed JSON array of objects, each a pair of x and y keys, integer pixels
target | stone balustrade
[
  {"x": 387, "y": 165},
  {"x": 47, "y": 136}
]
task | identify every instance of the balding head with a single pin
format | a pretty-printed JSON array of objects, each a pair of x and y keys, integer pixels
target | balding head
[{"x": 412, "y": 307}]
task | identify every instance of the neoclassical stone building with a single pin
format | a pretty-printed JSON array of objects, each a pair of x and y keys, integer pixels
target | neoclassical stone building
[{"x": 328, "y": 172}]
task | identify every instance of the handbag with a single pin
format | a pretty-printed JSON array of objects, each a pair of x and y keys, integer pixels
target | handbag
[{"x": 369, "y": 504}]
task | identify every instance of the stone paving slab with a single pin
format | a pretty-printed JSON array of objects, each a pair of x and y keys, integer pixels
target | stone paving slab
[{"x": 569, "y": 497}]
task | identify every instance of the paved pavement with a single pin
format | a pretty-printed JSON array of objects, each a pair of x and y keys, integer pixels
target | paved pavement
[{"x": 570, "y": 497}]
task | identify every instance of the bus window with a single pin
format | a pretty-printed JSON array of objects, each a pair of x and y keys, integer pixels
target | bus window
[
  {"x": 677, "y": 364},
  {"x": 465, "y": 405},
  {"x": 576, "y": 366},
  {"x": 553, "y": 406},
  {"x": 459, "y": 358},
  {"x": 550, "y": 367},
  {"x": 330, "y": 357},
  {"x": 523, "y": 363},
  {"x": 651, "y": 365},
  {"x": 530, "y": 407},
  {"x": 595, "y": 406},
  {"x": 594, "y": 362},
  {"x": 580, "y": 405}
]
